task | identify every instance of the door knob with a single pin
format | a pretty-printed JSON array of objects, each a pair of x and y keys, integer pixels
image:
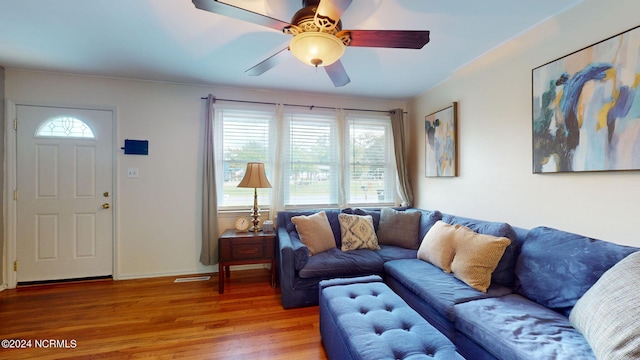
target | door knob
[{"x": 106, "y": 206}]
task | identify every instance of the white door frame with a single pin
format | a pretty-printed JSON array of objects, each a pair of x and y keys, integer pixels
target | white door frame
[{"x": 10, "y": 185}]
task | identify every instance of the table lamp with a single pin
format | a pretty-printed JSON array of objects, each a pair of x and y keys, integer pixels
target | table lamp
[{"x": 255, "y": 177}]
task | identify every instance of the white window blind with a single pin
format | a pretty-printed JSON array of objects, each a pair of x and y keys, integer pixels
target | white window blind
[
  {"x": 311, "y": 166},
  {"x": 244, "y": 136},
  {"x": 371, "y": 163},
  {"x": 325, "y": 160}
]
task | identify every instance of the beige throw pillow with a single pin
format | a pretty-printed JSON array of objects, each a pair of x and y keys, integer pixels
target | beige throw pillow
[
  {"x": 476, "y": 257},
  {"x": 315, "y": 232},
  {"x": 437, "y": 246},
  {"x": 608, "y": 314},
  {"x": 357, "y": 232}
]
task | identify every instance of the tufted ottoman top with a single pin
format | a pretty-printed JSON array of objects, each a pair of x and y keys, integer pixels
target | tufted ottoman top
[{"x": 375, "y": 323}]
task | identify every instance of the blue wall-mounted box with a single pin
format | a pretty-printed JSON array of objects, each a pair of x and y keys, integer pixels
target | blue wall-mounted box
[{"x": 136, "y": 147}]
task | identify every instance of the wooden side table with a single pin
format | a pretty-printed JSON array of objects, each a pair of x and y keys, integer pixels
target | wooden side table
[{"x": 241, "y": 248}]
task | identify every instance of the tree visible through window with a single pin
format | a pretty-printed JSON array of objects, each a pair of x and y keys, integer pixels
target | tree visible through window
[{"x": 64, "y": 126}]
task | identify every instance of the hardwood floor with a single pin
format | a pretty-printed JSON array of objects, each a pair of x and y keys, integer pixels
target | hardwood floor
[{"x": 159, "y": 319}]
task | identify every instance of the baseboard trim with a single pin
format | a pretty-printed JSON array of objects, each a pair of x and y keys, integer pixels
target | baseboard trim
[
  {"x": 187, "y": 272},
  {"x": 64, "y": 281}
]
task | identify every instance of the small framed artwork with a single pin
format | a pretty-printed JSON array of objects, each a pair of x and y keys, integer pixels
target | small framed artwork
[
  {"x": 440, "y": 142},
  {"x": 586, "y": 108}
]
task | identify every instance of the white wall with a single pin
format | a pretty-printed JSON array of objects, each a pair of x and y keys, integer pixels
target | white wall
[
  {"x": 494, "y": 97},
  {"x": 158, "y": 214}
]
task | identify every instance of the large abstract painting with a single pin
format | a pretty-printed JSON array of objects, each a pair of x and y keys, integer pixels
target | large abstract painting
[
  {"x": 586, "y": 108},
  {"x": 440, "y": 142}
]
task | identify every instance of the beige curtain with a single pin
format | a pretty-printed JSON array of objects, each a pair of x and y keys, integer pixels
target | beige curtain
[
  {"x": 209, "y": 250},
  {"x": 404, "y": 181},
  {"x": 342, "y": 133},
  {"x": 277, "y": 173}
]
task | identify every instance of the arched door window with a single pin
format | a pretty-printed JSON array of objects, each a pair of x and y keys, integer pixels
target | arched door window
[{"x": 64, "y": 127}]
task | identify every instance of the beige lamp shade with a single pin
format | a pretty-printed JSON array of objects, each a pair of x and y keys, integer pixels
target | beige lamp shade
[{"x": 255, "y": 176}]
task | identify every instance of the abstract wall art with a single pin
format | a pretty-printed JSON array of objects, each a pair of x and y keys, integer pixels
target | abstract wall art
[
  {"x": 440, "y": 142},
  {"x": 586, "y": 108}
]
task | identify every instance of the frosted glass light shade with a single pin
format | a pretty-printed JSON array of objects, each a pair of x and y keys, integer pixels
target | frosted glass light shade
[{"x": 316, "y": 48}]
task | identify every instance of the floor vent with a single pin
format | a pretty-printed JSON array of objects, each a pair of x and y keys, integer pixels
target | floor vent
[{"x": 188, "y": 279}]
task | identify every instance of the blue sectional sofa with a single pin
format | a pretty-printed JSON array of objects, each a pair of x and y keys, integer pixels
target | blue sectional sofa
[{"x": 524, "y": 313}]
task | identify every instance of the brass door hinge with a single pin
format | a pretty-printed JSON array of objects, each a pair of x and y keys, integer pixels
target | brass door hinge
[
  {"x": 15, "y": 265},
  {"x": 15, "y": 124},
  {"x": 15, "y": 195}
]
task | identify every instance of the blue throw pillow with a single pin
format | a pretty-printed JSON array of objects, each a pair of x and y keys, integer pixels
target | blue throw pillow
[{"x": 555, "y": 268}]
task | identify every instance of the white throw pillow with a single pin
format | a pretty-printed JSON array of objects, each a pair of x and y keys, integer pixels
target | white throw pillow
[{"x": 608, "y": 314}]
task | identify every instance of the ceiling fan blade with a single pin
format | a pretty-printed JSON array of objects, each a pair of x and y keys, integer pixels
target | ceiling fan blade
[
  {"x": 400, "y": 39},
  {"x": 332, "y": 9},
  {"x": 269, "y": 63},
  {"x": 337, "y": 74},
  {"x": 235, "y": 12}
]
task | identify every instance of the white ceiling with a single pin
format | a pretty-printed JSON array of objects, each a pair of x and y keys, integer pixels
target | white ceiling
[{"x": 171, "y": 40}]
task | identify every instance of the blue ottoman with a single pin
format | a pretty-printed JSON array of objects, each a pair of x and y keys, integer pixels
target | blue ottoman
[{"x": 362, "y": 318}]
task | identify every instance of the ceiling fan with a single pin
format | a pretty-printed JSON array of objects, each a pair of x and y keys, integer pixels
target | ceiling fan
[{"x": 318, "y": 38}]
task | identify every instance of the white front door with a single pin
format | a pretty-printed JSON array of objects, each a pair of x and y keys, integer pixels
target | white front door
[{"x": 65, "y": 184}]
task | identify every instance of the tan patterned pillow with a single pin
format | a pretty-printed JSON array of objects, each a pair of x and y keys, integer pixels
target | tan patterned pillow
[
  {"x": 437, "y": 246},
  {"x": 315, "y": 232},
  {"x": 476, "y": 257},
  {"x": 357, "y": 232}
]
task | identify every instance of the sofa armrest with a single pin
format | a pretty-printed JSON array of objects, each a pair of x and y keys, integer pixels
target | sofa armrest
[{"x": 292, "y": 256}]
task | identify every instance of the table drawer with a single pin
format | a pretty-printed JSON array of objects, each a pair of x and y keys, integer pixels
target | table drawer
[{"x": 246, "y": 249}]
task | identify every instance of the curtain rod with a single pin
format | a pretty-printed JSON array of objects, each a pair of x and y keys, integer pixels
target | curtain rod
[{"x": 310, "y": 107}]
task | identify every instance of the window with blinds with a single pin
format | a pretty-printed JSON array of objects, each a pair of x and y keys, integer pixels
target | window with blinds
[
  {"x": 311, "y": 160},
  {"x": 244, "y": 138},
  {"x": 371, "y": 169},
  {"x": 324, "y": 160}
]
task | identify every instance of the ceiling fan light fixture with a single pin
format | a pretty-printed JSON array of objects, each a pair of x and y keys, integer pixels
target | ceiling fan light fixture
[{"x": 317, "y": 48}]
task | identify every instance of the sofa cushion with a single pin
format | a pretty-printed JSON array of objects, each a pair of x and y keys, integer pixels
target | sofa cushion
[
  {"x": 336, "y": 263},
  {"x": 609, "y": 312},
  {"x": 439, "y": 289},
  {"x": 503, "y": 274},
  {"x": 389, "y": 252},
  {"x": 399, "y": 228},
  {"x": 555, "y": 268},
  {"x": 513, "y": 327},
  {"x": 438, "y": 246},
  {"x": 476, "y": 257},
  {"x": 315, "y": 232},
  {"x": 357, "y": 232}
]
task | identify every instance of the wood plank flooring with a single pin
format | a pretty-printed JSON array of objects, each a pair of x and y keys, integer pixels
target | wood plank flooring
[{"x": 159, "y": 319}]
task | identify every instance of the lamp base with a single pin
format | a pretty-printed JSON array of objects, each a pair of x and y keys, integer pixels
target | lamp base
[{"x": 255, "y": 214}]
